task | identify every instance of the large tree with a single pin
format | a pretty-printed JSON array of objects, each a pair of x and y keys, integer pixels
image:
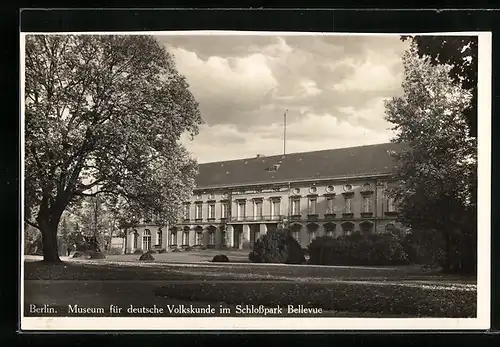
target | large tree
[
  {"x": 461, "y": 53},
  {"x": 104, "y": 115},
  {"x": 437, "y": 170}
]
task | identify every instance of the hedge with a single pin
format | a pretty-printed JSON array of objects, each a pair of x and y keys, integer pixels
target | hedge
[
  {"x": 277, "y": 247},
  {"x": 357, "y": 249}
]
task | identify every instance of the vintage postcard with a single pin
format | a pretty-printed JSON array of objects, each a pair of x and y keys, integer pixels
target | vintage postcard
[{"x": 255, "y": 181}]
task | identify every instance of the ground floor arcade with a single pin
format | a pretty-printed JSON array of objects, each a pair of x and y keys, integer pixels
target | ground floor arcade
[{"x": 240, "y": 235}]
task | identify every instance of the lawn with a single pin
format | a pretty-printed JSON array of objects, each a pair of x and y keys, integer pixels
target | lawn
[
  {"x": 338, "y": 291},
  {"x": 108, "y": 269},
  {"x": 358, "y": 297}
]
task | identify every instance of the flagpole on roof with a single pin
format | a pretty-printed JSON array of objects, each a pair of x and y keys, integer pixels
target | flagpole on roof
[{"x": 284, "y": 133}]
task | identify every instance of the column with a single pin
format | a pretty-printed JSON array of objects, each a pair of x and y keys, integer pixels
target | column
[
  {"x": 130, "y": 241},
  {"x": 205, "y": 237},
  {"x": 164, "y": 237},
  {"x": 192, "y": 236},
  {"x": 229, "y": 235},
  {"x": 263, "y": 228},
  {"x": 218, "y": 238},
  {"x": 304, "y": 236},
  {"x": 245, "y": 237}
]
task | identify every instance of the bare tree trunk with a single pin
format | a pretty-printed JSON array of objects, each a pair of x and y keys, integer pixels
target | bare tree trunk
[{"x": 49, "y": 241}]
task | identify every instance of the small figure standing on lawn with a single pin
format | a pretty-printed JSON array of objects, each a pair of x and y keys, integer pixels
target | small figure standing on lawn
[{"x": 68, "y": 250}]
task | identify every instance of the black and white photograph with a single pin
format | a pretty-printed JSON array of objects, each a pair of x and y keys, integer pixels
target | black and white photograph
[{"x": 218, "y": 180}]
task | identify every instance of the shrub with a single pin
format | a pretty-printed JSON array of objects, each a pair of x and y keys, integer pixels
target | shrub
[
  {"x": 276, "y": 247},
  {"x": 78, "y": 254},
  {"x": 188, "y": 248},
  {"x": 163, "y": 250},
  {"x": 357, "y": 249},
  {"x": 220, "y": 258},
  {"x": 95, "y": 255},
  {"x": 151, "y": 251},
  {"x": 138, "y": 251},
  {"x": 176, "y": 250},
  {"x": 147, "y": 257}
]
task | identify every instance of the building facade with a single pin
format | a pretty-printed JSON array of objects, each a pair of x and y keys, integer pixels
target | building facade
[{"x": 333, "y": 192}]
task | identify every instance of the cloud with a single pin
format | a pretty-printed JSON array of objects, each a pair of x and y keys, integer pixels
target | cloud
[{"x": 332, "y": 86}]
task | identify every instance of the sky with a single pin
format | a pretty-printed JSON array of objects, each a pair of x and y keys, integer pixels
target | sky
[{"x": 333, "y": 87}]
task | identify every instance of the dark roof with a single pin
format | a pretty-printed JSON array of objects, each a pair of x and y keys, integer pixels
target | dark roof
[{"x": 342, "y": 162}]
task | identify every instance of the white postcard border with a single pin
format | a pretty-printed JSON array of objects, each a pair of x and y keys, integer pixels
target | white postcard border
[{"x": 316, "y": 323}]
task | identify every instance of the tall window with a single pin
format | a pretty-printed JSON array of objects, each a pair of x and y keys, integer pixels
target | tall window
[
  {"x": 329, "y": 205},
  {"x": 211, "y": 211},
  {"x": 199, "y": 211},
  {"x": 159, "y": 237},
  {"x": 295, "y": 207},
  {"x": 173, "y": 237},
  {"x": 312, "y": 205},
  {"x": 224, "y": 209},
  {"x": 136, "y": 237},
  {"x": 146, "y": 240},
  {"x": 275, "y": 208},
  {"x": 296, "y": 234},
  {"x": 257, "y": 212},
  {"x": 241, "y": 209},
  {"x": 199, "y": 237},
  {"x": 347, "y": 207},
  {"x": 367, "y": 204},
  {"x": 185, "y": 237},
  {"x": 186, "y": 211},
  {"x": 211, "y": 237}
]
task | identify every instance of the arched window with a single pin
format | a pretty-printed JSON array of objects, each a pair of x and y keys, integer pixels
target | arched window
[
  {"x": 211, "y": 235},
  {"x": 173, "y": 237},
  {"x": 311, "y": 231},
  {"x": 330, "y": 229},
  {"x": 146, "y": 240},
  {"x": 366, "y": 227},
  {"x": 347, "y": 227},
  {"x": 199, "y": 236},
  {"x": 185, "y": 236}
]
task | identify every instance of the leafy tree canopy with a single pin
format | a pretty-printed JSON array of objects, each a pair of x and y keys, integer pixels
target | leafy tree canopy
[
  {"x": 104, "y": 115},
  {"x": 437, "y": 171},
  {"x": 461, "y": 52}
]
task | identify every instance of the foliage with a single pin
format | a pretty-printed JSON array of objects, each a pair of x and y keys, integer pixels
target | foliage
[
  {"x": 461, "y": 53},
  {"x": 357, "y": 249},
  {"x": 163, "y": 250},
  {"x": 147, "y": 257},
  {"x": 32, "y": 241},
  {"x": 277, "y": 246},
  {"x": 79, "y": 254},
  {"x": 138, "y": 251},
  {"x": 103, "y": 115},
  {"x": 220, "y": 258},
  {"x": 437, "y": 170},
  {"x": 354, "y": 298}
]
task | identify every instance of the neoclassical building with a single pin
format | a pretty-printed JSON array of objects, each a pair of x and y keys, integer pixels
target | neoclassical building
[{"x": 328, "y": 192}]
